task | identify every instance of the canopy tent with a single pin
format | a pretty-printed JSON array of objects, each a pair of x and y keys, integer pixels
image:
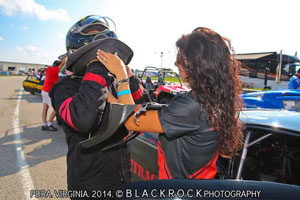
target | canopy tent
[{"x": 270, "y": 56}]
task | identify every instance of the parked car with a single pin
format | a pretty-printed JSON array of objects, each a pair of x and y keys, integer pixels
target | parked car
[
  {"x": 4, "y": 73},
  {"x": 162, "y": 84},
  {"x": 22, "y": 72},
  {"x": 271, "y": 150},
  {"x": 33, "y": 84},
  {"x": 273, "y": 99}
]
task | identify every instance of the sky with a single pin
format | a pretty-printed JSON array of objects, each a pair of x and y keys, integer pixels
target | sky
[{"x": 33, "y": 31}]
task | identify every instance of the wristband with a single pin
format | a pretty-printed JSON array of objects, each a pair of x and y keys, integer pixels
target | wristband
[
  {"x": 120, "y": 93},
  {"x": 122, "y": 81}
]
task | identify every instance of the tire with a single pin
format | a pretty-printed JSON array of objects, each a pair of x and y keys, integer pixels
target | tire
[
  {"x": 32, "y": 92},
  {"x": 164, "y": 100}
]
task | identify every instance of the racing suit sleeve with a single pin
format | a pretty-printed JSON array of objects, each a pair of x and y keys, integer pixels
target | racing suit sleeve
[
  {"x": 81, "y": 105},
  {"x": 137, "y": 90}
]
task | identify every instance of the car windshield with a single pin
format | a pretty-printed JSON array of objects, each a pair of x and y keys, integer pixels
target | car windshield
[{"x": 161, "y": 77}]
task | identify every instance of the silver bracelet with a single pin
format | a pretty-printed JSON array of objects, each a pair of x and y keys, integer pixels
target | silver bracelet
[{"x": 122, "y": 81}]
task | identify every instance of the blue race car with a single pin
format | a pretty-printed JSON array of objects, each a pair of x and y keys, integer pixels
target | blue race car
[{"x": 288, "y": 99}]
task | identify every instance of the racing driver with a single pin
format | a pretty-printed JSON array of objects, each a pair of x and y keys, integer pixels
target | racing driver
[{"x": 80, "y": 100}]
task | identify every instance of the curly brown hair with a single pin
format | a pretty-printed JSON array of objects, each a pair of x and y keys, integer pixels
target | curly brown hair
[{"x": 212, "y": 73}]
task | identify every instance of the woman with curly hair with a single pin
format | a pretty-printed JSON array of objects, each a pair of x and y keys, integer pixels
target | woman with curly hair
[{"x": 200, "y": 125}]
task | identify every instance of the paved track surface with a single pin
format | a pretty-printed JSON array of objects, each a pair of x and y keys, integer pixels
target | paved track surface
[{"x": 30, "y": 159}]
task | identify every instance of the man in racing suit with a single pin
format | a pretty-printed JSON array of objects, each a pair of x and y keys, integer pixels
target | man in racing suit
[{"x": 80, "y": 100}]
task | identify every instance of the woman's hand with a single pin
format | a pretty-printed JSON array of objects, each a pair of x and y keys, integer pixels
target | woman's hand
[
  {"x": 113, "y": 64},
  {"x": 111, "y": 98}
]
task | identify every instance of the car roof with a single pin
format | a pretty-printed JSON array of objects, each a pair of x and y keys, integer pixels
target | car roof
[
  {"x": 283, "y": 92},
  {"x": 272, "y": 119}
]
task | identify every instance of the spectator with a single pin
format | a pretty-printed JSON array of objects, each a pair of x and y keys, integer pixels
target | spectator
[
  {"x": 198, "y": 126},
  {"x": 40, "y": 73},
  {"x": 31, "y": 72},
  {"x": 295, "y": 81},
  {"x": 51, "y": 78}
]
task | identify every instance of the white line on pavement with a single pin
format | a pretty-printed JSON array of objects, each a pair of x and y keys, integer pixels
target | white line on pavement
[{"x": 22, "y": 163}]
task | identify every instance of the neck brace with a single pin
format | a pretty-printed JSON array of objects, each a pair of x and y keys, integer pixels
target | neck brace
[{"x": 78, "y": 60}]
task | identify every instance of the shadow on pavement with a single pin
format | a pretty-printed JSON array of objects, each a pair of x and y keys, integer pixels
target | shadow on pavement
[
  {"x": 30, "y": 98},
  {"x": 38, "y": 146}
]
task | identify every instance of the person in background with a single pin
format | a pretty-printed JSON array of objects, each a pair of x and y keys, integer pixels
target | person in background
[
  {"x": 31, "y": 72},
  {"x": 40, "y": 73},
  {"x": 295, "y": 81},
  {"x": 51, "y": 78},
  {"x": 196, "y": 127}
]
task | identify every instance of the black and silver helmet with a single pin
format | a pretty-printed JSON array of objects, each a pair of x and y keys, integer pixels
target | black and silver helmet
[{"x": 89, "y": 29}]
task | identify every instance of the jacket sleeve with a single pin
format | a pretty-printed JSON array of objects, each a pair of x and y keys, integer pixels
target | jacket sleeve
[
  {"x": 81, "y": 105},
  {"x": 137, "y": 90}
]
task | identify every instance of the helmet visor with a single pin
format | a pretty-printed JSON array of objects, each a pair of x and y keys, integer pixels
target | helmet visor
[{"x": 93, "y": 24}]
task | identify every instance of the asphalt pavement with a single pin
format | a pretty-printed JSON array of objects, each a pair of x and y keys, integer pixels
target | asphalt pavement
[{"x": 32, "y": 161}]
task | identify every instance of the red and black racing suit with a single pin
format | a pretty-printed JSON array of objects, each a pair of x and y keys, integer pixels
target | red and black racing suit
[{"x": 81, "y": 105}]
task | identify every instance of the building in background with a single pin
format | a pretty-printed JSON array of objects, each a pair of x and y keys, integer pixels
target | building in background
[
  {"x": 260, "y": 70},
  {"x": 7, "y": 68}
]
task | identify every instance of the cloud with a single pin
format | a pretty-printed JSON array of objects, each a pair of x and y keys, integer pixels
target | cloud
[
  {"x": 28, "y": 48},
  {"x": 31, "y": 8},
  {"x": 33, "y": 52},
  {"x": 1, "y": 38},
  {"x": 24, "y": 28}
]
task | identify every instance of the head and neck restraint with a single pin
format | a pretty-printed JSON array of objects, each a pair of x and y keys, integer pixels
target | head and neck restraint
[
  {"x": 118, "y": 114},
  {"x": 80, "y": 58}
]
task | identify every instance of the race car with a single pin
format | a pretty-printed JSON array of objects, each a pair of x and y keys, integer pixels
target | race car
[
  {"x": 273, "y": 99},
  {"x": 167, "y": 84},
  {"x": 271, "y": 150},
  {"x": 33, "y": 84},
  {"x": 270, "y": 153}
]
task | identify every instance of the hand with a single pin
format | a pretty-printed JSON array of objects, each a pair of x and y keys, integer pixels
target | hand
[
  {"x": 111, "y": 98},
  {"x": 62, "y": 62},
  {"x": 113, "y": 64}
]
